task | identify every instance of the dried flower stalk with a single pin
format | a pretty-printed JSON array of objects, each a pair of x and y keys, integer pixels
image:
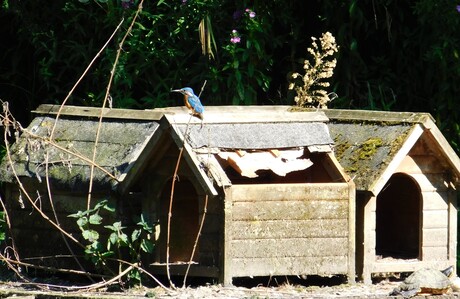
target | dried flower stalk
[{"x": 310, "y": 88}]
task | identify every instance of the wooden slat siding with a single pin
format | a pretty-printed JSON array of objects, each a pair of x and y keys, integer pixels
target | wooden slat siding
[
  {"x": 288, "y": 192},
  {"x": 447, "y": 153},
  {"x": 208, "y": 250},
  {"x": 435, "y": 219},
  {"x": 434, "y": 253},
  {"x": 435, "y": 200},
  {"x": 280, "y": 229},
  {"x": 293, "y": 265},
  {"x": 295, "y": 247},
  {"x": 369, "y": 238},
  {"x": 294, "y": 210},
  {"x": 420, "y": 164},
  {"x": 351, "y": 227},
  {"x": 226, "y": 265},
  {"x": 431, "y": 182},
  {"x": 273, "y": 223},
  {"x": 435, "y": 237},
  {"x": 385, "y": 266},
  {"x": 453, "y": 214}
]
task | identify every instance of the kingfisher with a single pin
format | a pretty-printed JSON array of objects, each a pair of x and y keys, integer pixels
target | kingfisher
[{"x": 191, "y": 101}]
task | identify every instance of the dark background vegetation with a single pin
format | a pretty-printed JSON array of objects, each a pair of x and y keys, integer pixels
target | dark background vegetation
[{"x": 394, "y": 54}]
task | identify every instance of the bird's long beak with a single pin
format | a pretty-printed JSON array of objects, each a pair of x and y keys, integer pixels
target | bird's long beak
[{"x": 177, "y": 90}]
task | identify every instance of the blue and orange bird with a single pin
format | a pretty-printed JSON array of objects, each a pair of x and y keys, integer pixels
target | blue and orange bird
[{"x": 191, "y": 101}]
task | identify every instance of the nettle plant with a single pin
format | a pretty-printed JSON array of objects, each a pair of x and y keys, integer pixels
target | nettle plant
[
  {"x": 100, "y": 248},
  {"x": 310, "y": 87}
]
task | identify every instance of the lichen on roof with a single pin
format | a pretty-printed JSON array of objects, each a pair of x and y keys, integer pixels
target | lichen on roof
[
  {"x": 365, "y": 149},
  {"x": 68, "y": 156}
]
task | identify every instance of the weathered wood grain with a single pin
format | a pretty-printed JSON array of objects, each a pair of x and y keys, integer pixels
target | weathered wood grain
[
  {"x": 435, "y": 237},
  {"x": 289, "y": 192},
  {"x": 290, "y": 266},
  {"x": 288, "y": 228},
  {"x": 435, "y": 200},
  {"x": 420, "y": 164},
  {"x": 294, "y": 210},
  {"x": 435, "y": 219},
  {"x": 295, "y": 247}
]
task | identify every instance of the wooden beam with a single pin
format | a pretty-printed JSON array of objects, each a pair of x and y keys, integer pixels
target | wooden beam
[
  {"x": 377, "y": 116},
  {"x": 243, "y": 114},
  {"x": 192, "y": 159},
  {"x": 398, "y": 158},
  {"x": 95, "y": 112}
]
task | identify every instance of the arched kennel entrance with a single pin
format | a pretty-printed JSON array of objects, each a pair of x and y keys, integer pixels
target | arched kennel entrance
[
  {"x": 184, "y": 221},
  {"x": 398, "y": 218}
]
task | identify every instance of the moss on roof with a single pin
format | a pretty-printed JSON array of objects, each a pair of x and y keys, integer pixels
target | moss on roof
[
  {"x": 365, "y": 149},
  {"x": 119, "y": 144}
]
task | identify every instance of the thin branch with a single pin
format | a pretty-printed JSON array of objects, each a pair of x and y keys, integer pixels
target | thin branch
[
  {"x": 51, "y": 269},
  {"x": 106, "y": 97},
  {"x": 196, "y": 240},
  {"x": 82, "y": 76},
  {"x": 50, "y": 197},
  {"x": 22, "y": 188},
  {"x": 81, "y": 157}
]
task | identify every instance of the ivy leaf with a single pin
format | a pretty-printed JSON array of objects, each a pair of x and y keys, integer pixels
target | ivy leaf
[
  {"x": 81, "y": 222},
  {"x": 124, "y": 238},
  {"x": 113, "y": 238},
  {"x": 147, "y": 246},
  {"x": 95, "y": 219},
  {"x": 135, "y": 235},
  {"x": 90, "y": 235}
]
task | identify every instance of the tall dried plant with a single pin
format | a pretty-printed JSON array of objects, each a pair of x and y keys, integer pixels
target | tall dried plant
[{"x": 310, "y": 87}]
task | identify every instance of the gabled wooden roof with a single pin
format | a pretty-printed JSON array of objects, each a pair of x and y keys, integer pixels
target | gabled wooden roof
[
  {"x": 122, "y": 137},
  {"x": 371, "y": 144},
  {"x": 241, "y": 128},
  {"x": 127, "y": 138}
]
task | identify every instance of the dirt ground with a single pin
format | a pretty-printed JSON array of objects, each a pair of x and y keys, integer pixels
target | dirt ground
[{"x": 378, "y": 290}]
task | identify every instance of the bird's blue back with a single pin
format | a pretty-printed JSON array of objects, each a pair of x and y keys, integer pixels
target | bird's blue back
[{"x": 194, "y": 100}]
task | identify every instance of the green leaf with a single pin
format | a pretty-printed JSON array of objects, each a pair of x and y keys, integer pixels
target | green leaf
[
  {"x": 117, "y": 225},
  {"x": 100, "y": 204},
  {"x": 107, "y": 254},
  {"x": 90, "y": 235},
  {"x": 113, "y": 238},
  {"x": 147, "y": 246},
  {"x": 124, "y": 238},
  {"x": 109, "y": 207},
  {"x": 95, "y": 219},
  {"x": 79, "y": 214},
  {"x": 251, "y": 70},
  {"x": 81, "y": 222},
  {"x": 135, "y": 235}
]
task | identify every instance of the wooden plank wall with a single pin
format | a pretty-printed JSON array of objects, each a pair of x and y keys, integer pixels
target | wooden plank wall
[
  {"x": 36, "y": 237},
  {"x": 289, "y": 229},
  {"x": 424, "y": 166}
]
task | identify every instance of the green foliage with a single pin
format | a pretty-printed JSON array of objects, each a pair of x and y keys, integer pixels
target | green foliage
[
  {"x": 398, "y": 55},
  {"x": 100, "y": 249},
  {"x": 3, "y": 226},
  {"x": 88, "y": 221}
]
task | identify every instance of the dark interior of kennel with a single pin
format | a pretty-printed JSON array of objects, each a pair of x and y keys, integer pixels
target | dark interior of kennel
[
  {"x": 317, "y": 173},
  {"x": 398, "y": 218},
  {"x": 183, "y": 222}
]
